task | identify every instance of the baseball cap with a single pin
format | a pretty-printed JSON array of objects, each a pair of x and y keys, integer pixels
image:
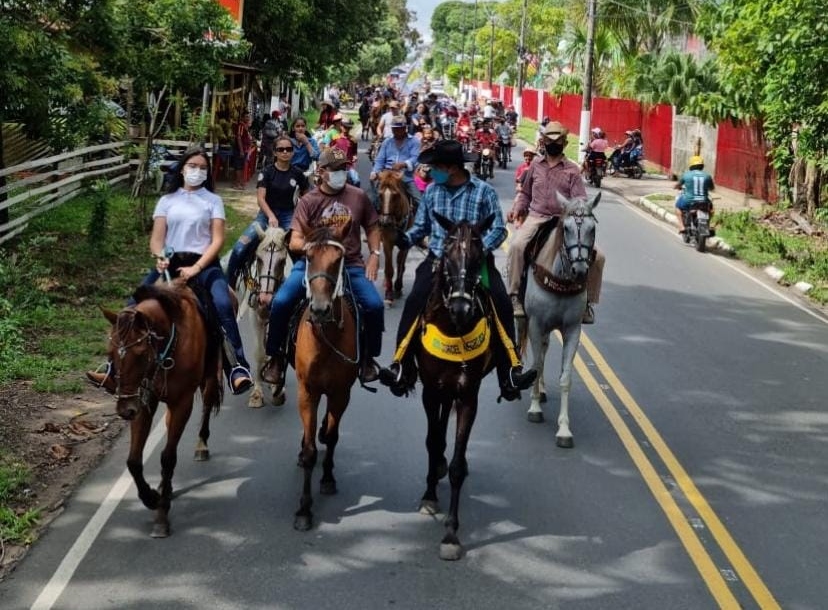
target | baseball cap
[{"x": 333, "y": 159}]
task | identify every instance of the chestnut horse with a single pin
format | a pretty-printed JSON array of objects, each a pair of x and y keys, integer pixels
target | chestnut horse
[
  {"x": 456, "y": 308},
  {"x": 259, "y": 281},
  {"x": 326, "y": 360},
  {"x": 161, "y": 350},
  {"x": 395, "y": 215}
]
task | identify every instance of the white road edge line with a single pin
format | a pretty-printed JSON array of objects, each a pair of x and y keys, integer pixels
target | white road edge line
[
  {"x": 60, "y": 579},
  {"x": 724, "y": 261}
]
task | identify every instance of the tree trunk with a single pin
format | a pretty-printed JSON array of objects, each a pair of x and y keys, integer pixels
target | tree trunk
[
  {"x": 811, "y": 187},
  {"x": 4, "y": 214}
]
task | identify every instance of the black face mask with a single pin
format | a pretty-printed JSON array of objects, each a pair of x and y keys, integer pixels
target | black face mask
[{"x": 553, "y": 149}]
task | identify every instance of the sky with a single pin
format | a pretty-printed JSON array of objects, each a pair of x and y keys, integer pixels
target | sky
[{"x": 424, "y": 9}]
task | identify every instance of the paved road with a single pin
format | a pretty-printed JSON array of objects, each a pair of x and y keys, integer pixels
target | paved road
[{"x": 696, "y": 481}]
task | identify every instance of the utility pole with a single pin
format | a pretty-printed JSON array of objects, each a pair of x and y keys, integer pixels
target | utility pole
[
  {"x": 521, "y": 61},
  {"x": 586, "y": 109},
  {"x": 463, "y": 58},
  {"x": 491, "y": 52},
  {"x": 474, "y": 27}
]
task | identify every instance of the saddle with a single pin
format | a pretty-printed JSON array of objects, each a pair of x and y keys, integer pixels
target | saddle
[{"x": 544, "y": 276}]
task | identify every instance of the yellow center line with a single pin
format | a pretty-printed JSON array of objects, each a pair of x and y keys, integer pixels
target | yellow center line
[{"x": 750, "y": 578}]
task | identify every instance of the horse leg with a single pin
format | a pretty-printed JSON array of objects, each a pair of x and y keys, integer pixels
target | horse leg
[
  {"x": 336, "y": 409},
  {"x": 571, "y": 339},
  {"x": 139, "y": 430},
  {"x": 539, "y": 341},
  {"x": 388, "y": 253},
  {"x": 177, "y": 417},
  {"x": 450, "y": 547},
  {"x": 256, "y": 399},
  {"x": 436, "y": 447},
  {"x": 308, "y": 405},
  {"x": 398, "y": 282}
]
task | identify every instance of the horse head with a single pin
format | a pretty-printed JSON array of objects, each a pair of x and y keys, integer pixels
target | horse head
[
  {"x": 271, "y": 256},
  {"x": 394, "y": 204},
  {"x": 461, "y": 267},
  {"x": 140, "y": 345},
  {"x": 325, "y": 271},
  {"x": 578, "y": 237}
]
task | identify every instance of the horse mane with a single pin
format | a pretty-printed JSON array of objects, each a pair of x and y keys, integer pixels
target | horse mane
[
  {"x": 170, "y": 298},
  {"x": 321, "y": 234},
  {"x": 273, "y": 235}
]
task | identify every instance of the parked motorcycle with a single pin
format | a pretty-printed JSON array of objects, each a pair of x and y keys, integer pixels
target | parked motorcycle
[
  {"x": 631, "y": 168},
  {"x": 697, "y": 224},
  {"x": 596, "y": 170}
]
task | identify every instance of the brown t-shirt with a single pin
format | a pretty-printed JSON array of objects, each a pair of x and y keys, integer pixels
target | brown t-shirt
[{"x": 318, "y": 209}]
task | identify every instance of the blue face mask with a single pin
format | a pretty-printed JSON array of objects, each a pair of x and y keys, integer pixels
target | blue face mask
[{"x": 439, "y": 176}]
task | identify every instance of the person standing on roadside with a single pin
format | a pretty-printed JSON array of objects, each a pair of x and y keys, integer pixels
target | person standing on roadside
[{"x": 242, "y": 142}]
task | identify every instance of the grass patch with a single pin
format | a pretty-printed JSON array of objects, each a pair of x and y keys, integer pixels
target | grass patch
[
  {"x": 14, "y": 527},
  {"x": 760, "y": 245}
]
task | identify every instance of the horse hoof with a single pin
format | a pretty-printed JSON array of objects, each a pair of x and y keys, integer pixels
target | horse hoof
[
  {"x": 536, "y": 417},
  {"x": 202, "y": 455},
  {"x": 543, "y": 397},
  {"x": 429, "y": 508},
  {"x": 279, "y": 399},
  {"x": 160, "y": 530},
  {"x": 302, "y": 523},
  {"x": 257, "y": 403},
  {"x": 564, "y": 442},
  {"x": 450, "y": 552},
  {"x": 389, "y": 303},
  {"x": 327, "y": 488}
]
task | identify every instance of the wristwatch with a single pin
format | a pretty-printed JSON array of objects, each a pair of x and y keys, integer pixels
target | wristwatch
[{"x": 377, "y": 252}]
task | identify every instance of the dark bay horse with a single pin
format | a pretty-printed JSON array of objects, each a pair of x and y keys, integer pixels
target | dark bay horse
[
  {"x": 161, "y": 350},
  {"x": 395, "y": 215},
  {"x": 457, "y": 308},
  {"x": 326, "y": 360},
  {"x": 260, "y": 281},
  {"x": 556, "y": 299}
]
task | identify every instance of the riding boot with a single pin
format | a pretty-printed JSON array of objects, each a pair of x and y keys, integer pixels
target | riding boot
[
  {"x": 513, "y": 380},
  {"x": 273, "y": 371},
  {"x": 236, "y": 369},
  {"x": 400, "y": 376},
  {"x": 103, "y": 379},
  {"x": 369, "y": 370}
]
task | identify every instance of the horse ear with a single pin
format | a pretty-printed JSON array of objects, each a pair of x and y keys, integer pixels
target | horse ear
[
  {"x": 487, "y": 222},
  {"x": 563, "y": 201},
  {"x": 444, "y": 222},
  {"x": 596, "y": 200},
  {"x": 109, "y": 315},
  {"x": 259, "y": 231}
]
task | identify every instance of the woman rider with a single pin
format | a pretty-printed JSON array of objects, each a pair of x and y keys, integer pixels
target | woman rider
[
  {"x": 279, "y": 187},
  {"x": 187, "y": 236},
  {"x": 305, "y": 147}
]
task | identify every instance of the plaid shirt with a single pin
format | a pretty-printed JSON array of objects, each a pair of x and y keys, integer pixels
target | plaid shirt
[{"x": 473, "y": 201}]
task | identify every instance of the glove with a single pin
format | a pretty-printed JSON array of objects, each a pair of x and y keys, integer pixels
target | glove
[{"x": 402, "y": 241}]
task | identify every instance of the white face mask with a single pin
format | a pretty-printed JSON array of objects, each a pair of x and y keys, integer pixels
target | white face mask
[
  {"x": 195, "y": 177},
  {"x": 336, "y": 180}
]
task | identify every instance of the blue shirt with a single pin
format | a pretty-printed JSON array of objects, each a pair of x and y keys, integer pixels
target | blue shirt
[
  {"x": 301, "y": 157},
  {"x": 391, "y": 153},
  {"x": 472, "y": 201},
  {"x": 697, "y": 183}
]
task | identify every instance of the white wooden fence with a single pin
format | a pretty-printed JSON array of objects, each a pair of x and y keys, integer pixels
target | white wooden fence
[{"x": 37, "y": 186}]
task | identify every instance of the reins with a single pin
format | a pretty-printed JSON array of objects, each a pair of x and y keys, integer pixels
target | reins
[{"x": 163, "y": 361}]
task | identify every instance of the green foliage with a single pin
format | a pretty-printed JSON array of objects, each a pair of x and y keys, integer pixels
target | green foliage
[
  {"x": 14, "y": 527},
  {"x": 99, "y": 196},
  {"x": 11, "y": 341},
  {"x": 675, "y": 78}
]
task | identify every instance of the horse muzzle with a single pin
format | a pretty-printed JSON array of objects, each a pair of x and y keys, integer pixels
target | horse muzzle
[
  {"x": 321, "y": 313},
  {"x": 127, "y": 408}
]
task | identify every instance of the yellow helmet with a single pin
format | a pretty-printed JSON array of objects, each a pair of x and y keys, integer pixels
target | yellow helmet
[{"x": 696, "y": 160}]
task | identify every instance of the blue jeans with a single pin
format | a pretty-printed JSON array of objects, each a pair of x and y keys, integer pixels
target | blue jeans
[
  {"x": 292, "y": 291},
  {"x": 249, "y": 240}
]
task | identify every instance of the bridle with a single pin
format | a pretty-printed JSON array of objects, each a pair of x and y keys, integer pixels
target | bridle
[
  {"x": 583, "y": 253},
  {"x": 461, "y": 285},
  {"x": 264, "y": 283},
  {"x": 386, "y": 218},
  {"x": 156, "y": 361}
]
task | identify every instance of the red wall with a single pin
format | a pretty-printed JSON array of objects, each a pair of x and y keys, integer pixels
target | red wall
[{"x": 742, "y": 161}]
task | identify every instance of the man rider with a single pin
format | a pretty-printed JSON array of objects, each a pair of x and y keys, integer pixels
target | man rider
[
  {"x": 384, "y": 126},
  {"x": 504, "y": 135},
  {"x": 399, "y": 152},
  {"x": 537, "y": 202},
  {"x": 696, "y": 185},
  {"x": 458, "y": 196},
  {"x": 332, "y": 203}
]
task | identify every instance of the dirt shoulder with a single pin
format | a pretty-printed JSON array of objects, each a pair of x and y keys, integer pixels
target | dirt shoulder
[{"x": 61, "y": 439}]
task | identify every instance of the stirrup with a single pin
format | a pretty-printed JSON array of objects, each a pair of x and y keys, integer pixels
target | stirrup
[{"x": 241, "y": 373}]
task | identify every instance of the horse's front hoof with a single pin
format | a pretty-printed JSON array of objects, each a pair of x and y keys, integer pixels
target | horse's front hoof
[
  {"x": 256, "y": 401},
  {"x": 327, "y": 488},
  {"x": 202, "y": 455},
  {"x": 279, "y": 398},
  {"x": 536, "y": 417},
  {"x": 389, "y": 303},
  {"x": 302, "y": 523},
  {"x": 429, "y": 508},
  {"x": 160, "y": 530},
  {"x": 450, "y": 551},
  {"x": 564, "y": 442},
  {"x": 543, "y": 397}
]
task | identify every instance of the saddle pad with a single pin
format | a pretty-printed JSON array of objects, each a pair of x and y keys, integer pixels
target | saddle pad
[{"x": 457, "y": 349}]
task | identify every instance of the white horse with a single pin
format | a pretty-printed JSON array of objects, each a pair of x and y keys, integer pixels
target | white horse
[
  {"x": 258, "y": 283},
  {"x": 556, "y": 300}
]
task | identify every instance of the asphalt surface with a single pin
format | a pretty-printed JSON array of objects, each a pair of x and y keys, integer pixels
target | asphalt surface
[{"x": 696, "y": 480}]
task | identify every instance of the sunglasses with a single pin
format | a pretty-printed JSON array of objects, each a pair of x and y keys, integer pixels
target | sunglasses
[{"x": 284, "y": 149}]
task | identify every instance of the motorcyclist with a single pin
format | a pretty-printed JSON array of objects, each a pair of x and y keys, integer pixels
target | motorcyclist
[
  {"x": 695, "y": 185},
  {"x": 511, "y": 116},
  {"x": 595, "y": 148},
  {"x": 484, "y": 137},
  {"x": 630, "y": 149},
  {"x": 504, "y": 135}
]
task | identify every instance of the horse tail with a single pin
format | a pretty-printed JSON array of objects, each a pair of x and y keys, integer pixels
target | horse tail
[{"x": 212, "y": 389}]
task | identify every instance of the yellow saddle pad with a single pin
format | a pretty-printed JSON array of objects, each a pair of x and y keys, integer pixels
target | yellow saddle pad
[{"x": 457, "y": 349}]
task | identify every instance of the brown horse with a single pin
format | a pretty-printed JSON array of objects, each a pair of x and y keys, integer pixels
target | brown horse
[
  {"x": 451, "y": 380},
  {"x": 394, "y": 216},
  {"x": 161, "y": 350},
  {"x": 326, "y": 360}
]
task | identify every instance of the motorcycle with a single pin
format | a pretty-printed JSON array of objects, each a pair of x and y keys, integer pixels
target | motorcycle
[
  {"x": 464, "y": 137},
  {"x": 596, "y": 170},
  {"x": 504, "y": 150},
  {"x": 447, "y": 126},
  {"x": 484, "y": 166},
  {"x": 697, "y": 224},
  {"x": 631, "y": 168}
]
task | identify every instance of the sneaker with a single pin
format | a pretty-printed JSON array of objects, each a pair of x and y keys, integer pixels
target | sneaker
[
  {"x": 273, "y": 370},
  {"x": 589, "y": 315},
  {"x": 517, "y": 306},
  {"x": 103, "y": 379},
  {"x": 370, "y": 370},
  {"x": 240, "y": 380}
]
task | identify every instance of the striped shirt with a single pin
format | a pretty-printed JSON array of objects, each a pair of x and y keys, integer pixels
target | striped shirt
[{"x": 473, "y": 201}]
